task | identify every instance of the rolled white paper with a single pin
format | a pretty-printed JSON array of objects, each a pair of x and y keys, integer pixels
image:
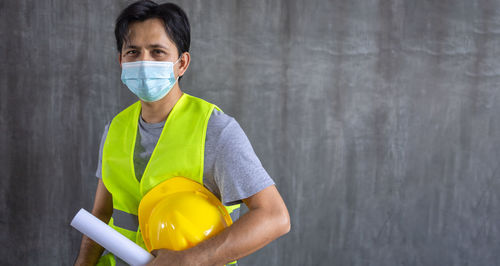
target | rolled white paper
[{"x": 110, "y": 239}]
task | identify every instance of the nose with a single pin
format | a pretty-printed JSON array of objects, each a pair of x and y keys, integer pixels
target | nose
[{"x": 145, "y": 56}]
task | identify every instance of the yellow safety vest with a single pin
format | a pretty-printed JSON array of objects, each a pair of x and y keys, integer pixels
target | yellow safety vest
[{"x": 180, "y": 151}]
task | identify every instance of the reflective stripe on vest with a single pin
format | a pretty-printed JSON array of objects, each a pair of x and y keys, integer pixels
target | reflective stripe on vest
[
  {"x": 181, "y": 144},
  {"x": 125, "y": 220},
  {"x": 131, "y": 222}
]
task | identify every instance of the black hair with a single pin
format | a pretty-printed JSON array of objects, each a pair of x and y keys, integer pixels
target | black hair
[{"x": 173, "y": 17}]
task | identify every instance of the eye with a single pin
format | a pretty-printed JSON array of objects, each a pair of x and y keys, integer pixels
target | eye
[
  {"x": 158, "y": 52},
  {"x": 132, "y": 52}
]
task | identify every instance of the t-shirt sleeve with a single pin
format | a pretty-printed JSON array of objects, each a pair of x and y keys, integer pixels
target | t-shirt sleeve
[
  {"x": 98, "y": 172},
  {"x": 238, "y": 171}
]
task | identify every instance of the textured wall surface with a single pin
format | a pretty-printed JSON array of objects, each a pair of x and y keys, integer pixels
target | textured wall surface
[{"x": 379, "y": 121}]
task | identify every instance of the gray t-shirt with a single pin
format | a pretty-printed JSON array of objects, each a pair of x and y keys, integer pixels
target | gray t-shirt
[{"x": 231, "y": 171}]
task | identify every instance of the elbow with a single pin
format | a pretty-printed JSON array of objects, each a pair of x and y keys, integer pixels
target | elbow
[
  {"x": 287, "y": 225},
  {"x": 284, "y": 222}
]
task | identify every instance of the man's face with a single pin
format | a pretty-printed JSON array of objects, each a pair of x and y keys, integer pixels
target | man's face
[{"x": 148, "y": 41}]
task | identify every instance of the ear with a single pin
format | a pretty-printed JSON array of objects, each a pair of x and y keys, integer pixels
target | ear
[
  {"x": 184, "y": 63},
  {"x": 120, "y": 58}
]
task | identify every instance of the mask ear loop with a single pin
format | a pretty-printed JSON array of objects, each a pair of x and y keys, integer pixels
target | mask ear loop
[
  {"x": 180, "y": 56},
  {"x": 177, "y": 79}
]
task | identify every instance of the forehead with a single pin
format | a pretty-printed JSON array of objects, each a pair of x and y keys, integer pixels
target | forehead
[{"x": 150, "y": 31}]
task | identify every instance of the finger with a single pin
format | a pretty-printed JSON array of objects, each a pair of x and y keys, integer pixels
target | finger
[{"x": 154, "y": 252}]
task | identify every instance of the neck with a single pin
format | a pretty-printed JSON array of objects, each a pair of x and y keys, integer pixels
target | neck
[{"x": 156, "y": 112}]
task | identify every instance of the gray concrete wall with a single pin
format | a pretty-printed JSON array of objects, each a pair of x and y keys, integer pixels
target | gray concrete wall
[{"x": 378, "y": 120}]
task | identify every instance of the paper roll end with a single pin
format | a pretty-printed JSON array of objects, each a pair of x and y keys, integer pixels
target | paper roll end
[{"x": 77, "y": 217}]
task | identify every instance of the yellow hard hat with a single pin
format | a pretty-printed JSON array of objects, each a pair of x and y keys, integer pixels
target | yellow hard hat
[{"x": 180, "y": 213}]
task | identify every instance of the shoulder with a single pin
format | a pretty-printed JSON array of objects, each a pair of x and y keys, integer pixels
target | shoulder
[
  {"x": 222, "y": 127},
  {"x": 219, "y": 120}
]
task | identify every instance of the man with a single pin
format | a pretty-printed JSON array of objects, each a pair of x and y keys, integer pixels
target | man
[{"x": 153, "y": 43}]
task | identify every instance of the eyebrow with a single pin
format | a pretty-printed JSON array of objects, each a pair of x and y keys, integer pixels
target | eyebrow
[
  {"x": 157, "y": 46},
  {"x": 129, "y": 46}
]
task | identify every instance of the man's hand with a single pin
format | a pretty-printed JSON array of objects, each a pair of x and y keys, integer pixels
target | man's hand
[{"x": 166, "y": 257}]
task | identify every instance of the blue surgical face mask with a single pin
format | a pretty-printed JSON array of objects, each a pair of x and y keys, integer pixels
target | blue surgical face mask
[{"x": 149, "y": 80}]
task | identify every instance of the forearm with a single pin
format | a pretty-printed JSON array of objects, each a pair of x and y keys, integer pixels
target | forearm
[
  {"x": 266, "y": 220},
  {"x": 251, "y": 232},
  {"x": 89, "y": 253}
]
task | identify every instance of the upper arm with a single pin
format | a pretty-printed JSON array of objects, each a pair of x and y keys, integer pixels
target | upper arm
[
  {"x": 269, "y": 202},
  {"x": 103, "y": 203},
  {"x": 237, "y": 171}
]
